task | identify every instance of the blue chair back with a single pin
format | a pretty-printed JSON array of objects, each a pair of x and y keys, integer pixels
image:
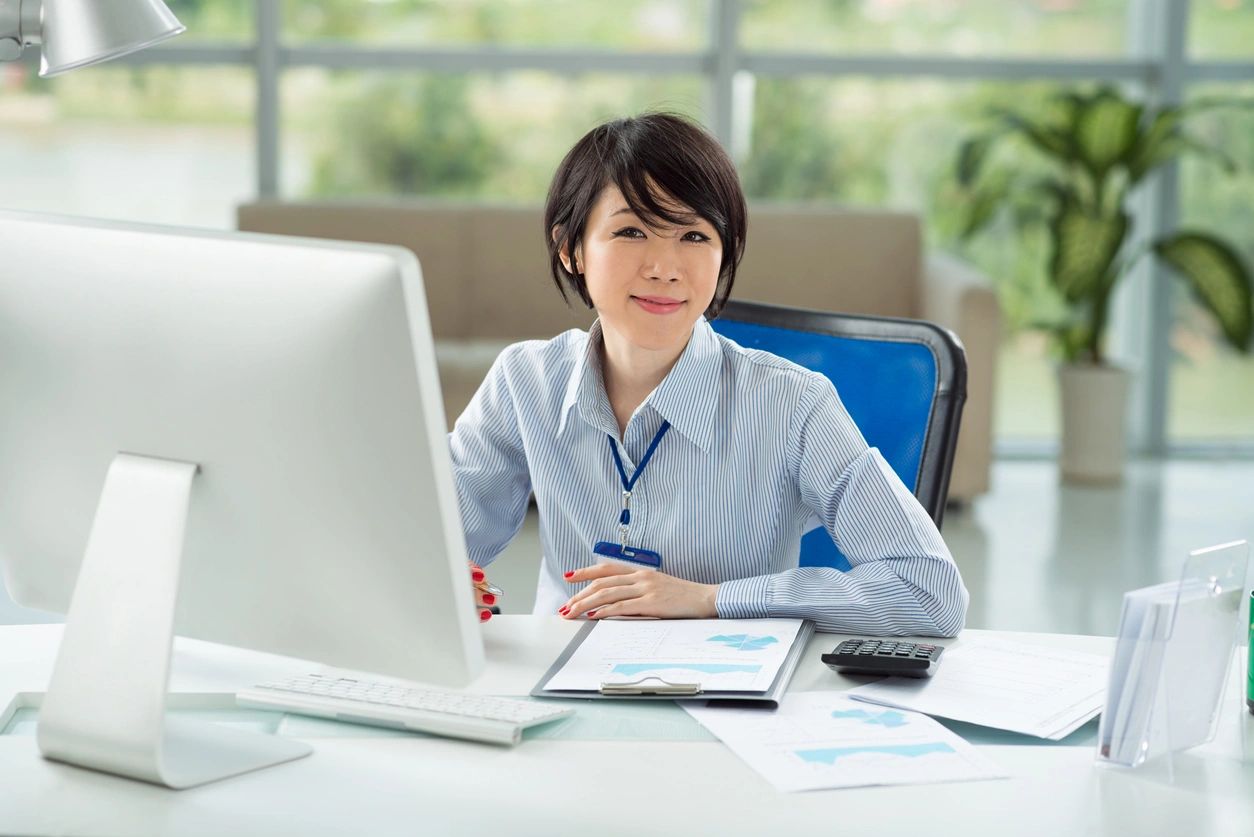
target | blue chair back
[{"x": 902, "y": 381}]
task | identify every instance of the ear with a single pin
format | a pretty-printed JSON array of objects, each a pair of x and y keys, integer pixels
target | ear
[{"x": 564, "y": 252}]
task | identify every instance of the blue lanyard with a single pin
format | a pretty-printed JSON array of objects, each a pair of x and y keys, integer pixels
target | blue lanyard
[{"x": 624, "y": 518}]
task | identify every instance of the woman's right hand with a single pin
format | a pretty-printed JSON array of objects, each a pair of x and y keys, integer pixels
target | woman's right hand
[{"x": 483, "y": 599}]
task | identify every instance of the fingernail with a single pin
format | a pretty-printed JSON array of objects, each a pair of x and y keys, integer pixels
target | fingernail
[
  {"x": 591, "y": 613},
  {"x": 564, "y": 610},
  {"x": 478, "y": 575},
  {"x": 570, "y": 574},
  {"x": 488, "y": 599},
  {"x": 485, "y": 615}
]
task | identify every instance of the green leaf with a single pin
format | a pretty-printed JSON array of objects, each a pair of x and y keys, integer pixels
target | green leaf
[
  {"x": 984, "y": 206},
  {"x": 971, "y": 157},
  {"x": 1176, "y": 145},
  {"x": 1029, "y": 200},
  {"x": 1105, "y": 132},
  {"x": 1212, "y": 152},
  {"x": 1163, "y": 139},
  {"x": 1066, "y": 106},
  {"x": 1084, "y": 248},
  {"x": 1153, "y": 145},
  {"x": 1052, "y": 187},
  {"x": 1218, "y": 278},
  {"x": 1048, "y": 139}
]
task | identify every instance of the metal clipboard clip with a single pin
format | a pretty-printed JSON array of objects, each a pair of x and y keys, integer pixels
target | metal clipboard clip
[{"x": 660, "y": 687}]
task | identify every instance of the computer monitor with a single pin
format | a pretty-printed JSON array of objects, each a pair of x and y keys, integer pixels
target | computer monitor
[{"x": 250, "y": 425}]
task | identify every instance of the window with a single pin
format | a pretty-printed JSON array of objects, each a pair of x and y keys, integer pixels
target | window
[
  {"x": 932, "y": 27},
  {"x": 497, "y": 137},
  {"x": 161, "y": 144},
  {"x": 215, "y": 20},
  {"x": 894, "y": 143},
  {"x": 1212, "y": 386},
  {"x": 375, "y": 100},
  {"x": 651, "y": 26},
  {"x": 1221, "y": 29}
]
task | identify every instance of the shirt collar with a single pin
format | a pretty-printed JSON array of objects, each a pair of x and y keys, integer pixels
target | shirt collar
[
  {"x": 585, "y": 388},
  {"x": 687, "y": 396}
]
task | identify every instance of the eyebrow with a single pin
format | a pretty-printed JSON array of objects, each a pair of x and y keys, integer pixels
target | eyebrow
[{"x": 627, "y": 210}]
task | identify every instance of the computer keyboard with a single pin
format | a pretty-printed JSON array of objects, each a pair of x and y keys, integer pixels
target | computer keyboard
[{"x": 454, "y": 714}]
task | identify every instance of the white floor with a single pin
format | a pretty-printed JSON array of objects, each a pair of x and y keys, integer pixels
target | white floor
[{"x": 1036, "y": 556}]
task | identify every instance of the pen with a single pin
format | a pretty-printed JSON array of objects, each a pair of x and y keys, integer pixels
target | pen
[
  {"x": 489, "y": 588},
  {"x": 485, "y": 587}
]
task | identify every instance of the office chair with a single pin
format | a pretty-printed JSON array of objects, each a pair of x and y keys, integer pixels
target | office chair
[{"x": 903, "y": 381}]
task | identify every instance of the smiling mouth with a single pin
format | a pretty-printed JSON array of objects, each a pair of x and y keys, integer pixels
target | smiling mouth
[{"x": 658, "y": 305}]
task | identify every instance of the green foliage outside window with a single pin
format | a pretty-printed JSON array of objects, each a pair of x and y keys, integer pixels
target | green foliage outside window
[
  {"x": 790, "y": 160},
  {"x": 409, "y": 137}
]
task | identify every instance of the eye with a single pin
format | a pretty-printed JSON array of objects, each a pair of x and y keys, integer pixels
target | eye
[
  {"x": 629, "y": 232},
  {"x": 696, "y": 236}
]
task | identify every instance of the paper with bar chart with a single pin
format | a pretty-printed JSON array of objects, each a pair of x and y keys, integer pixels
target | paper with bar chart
[
  {"x": 719, "y": 654},
  {"x": 821, "y": 740}
]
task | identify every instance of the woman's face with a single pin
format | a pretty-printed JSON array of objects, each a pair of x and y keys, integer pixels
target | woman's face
[{"x": 648, "y": 285}]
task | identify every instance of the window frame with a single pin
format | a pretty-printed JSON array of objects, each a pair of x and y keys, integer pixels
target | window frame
[{"x": 1157, "y": 62}]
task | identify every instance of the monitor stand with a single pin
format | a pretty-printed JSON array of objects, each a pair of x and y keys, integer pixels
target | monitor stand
[{"x": 106, "y": 703}]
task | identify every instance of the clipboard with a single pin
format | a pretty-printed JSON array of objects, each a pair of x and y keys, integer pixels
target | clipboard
[{"x": 656, "y": 688}]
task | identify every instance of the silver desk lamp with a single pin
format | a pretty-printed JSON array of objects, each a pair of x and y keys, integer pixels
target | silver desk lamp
[{"x": 76, "y": 33}]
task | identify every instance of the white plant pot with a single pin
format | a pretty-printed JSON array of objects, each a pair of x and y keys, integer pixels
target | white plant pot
[{"x": 1094, "y": 420}]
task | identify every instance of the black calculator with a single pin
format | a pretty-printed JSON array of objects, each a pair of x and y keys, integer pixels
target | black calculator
[{"x": 886, "y": 657}]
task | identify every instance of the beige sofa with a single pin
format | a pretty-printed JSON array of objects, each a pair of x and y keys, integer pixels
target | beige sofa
[{"x": 486, "y": 273}]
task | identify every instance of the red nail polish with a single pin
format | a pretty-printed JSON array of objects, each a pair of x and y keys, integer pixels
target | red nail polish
[
  {"x": 489, "y": 599},
  {"x": 478, "y": 575},
  {"x": 564, "y": 610},
  {"x": 485, "y": 615},
  {"x": 591, "y": 613},
  {"x": 569, "y": 574}
]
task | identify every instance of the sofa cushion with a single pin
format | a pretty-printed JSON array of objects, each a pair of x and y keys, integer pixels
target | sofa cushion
[
  {"x": 511, "y": 291},
  {"x": 833, "y": 259},
  {"x": 440, "y": 238}
]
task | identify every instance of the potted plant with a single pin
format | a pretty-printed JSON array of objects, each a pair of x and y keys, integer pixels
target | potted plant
[{"x": 1097, "y": 148}]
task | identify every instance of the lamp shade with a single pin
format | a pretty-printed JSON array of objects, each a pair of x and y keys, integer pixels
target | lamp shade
[{"x": 81, "y": 32}]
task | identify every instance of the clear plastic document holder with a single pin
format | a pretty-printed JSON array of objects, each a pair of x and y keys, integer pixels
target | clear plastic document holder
[{"x": 1170, "y": 669}]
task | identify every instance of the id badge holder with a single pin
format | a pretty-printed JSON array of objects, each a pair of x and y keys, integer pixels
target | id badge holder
[
  {"x": 645, "y": 558},
  {"x": 620, "y": 551}
]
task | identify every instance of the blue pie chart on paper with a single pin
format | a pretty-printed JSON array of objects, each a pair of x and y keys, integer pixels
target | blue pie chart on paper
[
  {"x": 744, "y": 642},
  {"x": 830, "y": 755},
  {"x": 703, "y": 668},
  {"x": 887, "y": 718}
]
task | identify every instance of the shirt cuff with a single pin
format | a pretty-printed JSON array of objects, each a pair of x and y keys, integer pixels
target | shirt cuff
[{"x": 742, "y": 598}]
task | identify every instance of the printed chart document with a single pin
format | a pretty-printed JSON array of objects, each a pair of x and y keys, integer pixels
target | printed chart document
[
  {"x": 719, "y": 655},
  {"x": 1045, "y": 692},
  {"x": 821, "y": 740}
]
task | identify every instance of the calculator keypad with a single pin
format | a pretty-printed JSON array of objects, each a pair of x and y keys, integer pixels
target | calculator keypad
[{"x": 884, "y": 656}]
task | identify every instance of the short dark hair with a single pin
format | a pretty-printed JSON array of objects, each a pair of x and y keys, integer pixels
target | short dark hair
[{"x": 649, "y": 156}]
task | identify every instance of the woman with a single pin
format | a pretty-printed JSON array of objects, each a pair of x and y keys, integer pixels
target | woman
[{"x": 675, "y": 471}]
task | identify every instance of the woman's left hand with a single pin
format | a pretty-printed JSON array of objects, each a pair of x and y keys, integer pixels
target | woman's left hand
[{"x": 620, "y": 590}]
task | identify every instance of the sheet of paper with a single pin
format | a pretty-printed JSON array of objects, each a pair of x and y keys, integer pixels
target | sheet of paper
[
  {"x": 1045, "y": 692},
  {"x": 736, "y": 655},
  {"x": 824, "y": 740}
]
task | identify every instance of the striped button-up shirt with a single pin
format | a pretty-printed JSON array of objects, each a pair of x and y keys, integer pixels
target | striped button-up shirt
[{"x": 758, "y": 448}]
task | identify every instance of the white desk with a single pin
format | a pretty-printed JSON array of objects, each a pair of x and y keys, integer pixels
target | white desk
[{"x": 428, "y": 786}]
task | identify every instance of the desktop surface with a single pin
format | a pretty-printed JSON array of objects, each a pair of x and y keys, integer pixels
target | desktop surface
[{"x": 661, "y": 784}]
